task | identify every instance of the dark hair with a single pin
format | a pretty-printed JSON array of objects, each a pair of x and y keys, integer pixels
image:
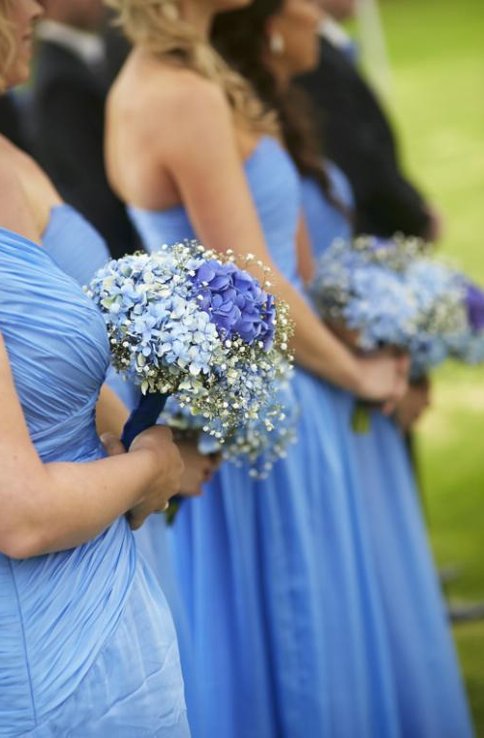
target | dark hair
[{"x": 240, "y": 37}]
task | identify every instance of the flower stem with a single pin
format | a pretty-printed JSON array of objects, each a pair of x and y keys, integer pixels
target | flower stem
[{"x": 361, "y": 420}]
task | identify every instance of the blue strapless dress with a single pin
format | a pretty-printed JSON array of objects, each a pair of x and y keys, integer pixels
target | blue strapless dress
[
  {"x": 429, "y": 700},
  {"x": 323, "y": 219},
  {"x": 74, "y": 245},
  {"x": 79, "y": 250},
  {"x": 274, "y": 573},
  {"x": 87, "y": 646}
]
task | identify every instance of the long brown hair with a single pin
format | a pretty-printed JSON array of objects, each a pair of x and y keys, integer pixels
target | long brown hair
[{"x": 241, "y": 38}]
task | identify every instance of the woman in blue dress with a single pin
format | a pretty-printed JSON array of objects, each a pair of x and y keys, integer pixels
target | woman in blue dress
[
  {"x": 422, "y": 679},
  {"x": 191, "y": 151},
  {"x": 87, "y": 646},
  {"x": 79, "y": 250}
]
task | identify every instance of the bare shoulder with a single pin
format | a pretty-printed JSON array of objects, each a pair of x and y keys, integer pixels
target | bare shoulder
[
  {"x": 15, "y": 211},
  {"x": 195, "y": 113},
  {"x": 165, "y": 98},
  {"x": 184, "y": 92},
  {"x": 10, "y": 183},
  {"x": 26, "y": 168}
]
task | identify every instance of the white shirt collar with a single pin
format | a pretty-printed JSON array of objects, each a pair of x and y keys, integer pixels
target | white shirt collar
[
  {"x": 87, "y": 46},
  {"x": 335, "y": 33}
]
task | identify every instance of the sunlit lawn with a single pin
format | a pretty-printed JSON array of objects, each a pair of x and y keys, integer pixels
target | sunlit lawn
[{"x": 437, "y": 53}]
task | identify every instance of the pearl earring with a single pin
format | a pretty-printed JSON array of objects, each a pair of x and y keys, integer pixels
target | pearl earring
[{"x": 276, "y": 43}]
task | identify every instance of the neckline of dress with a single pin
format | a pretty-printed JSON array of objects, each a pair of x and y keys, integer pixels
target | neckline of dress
[
  {"x": 57, "y": 208},
  {"x": 247, "y": 164},
  {"x": 14, "y": 235},
  {"x": 61, "y": 206}
]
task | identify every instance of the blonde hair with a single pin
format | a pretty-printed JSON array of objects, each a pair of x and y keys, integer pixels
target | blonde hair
[
  {"x": 155, "y": 26},
  {"x": 7, "y": 44}
]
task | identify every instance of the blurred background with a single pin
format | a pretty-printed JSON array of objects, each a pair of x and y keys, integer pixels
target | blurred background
[{"x": 436, "y": 96}]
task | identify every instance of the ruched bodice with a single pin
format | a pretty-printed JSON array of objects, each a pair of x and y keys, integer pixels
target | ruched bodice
[
  {"x": 56, "y": 611},
  {"x": 275, "y": 189},
  {"x": 83, "y": 253}
]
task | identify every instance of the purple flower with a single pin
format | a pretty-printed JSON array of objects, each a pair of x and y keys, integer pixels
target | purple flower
[
  {"x": 475, "y": 306},
  {"x": 236, "y": 303}
]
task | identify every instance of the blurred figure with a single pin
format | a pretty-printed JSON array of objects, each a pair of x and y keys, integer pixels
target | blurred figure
[
  {"x": 358, "y": 136},
  {"x": 11, "y": 121},
  {"x": 117, "y": 47},
  {"x": 69, "y": 90}
]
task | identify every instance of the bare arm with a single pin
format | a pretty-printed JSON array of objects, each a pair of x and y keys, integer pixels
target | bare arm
[
  {"x": 49, "y": 507},
  {"x": 305, "y": 259},
  {"x": 198, "y": 151},
  {"x": 111, "y": 412}
]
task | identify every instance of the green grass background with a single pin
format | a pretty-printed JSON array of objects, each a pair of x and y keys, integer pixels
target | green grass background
[{"x": 436, "y": 50}]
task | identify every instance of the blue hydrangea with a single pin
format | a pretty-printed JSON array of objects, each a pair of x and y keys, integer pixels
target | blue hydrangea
[
  {"x": 365, "y": 296},
  {"x": 184, "y": 320},
  {"x": 236, "y": 302},
  {"x": 394, "y": 292}
]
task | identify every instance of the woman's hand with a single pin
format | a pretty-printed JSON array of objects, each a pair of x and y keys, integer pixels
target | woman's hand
[
  {"x": 410, "y": 408},
  {"x": 158, "y": 442},
  {"x": 382, "y": 377},
  {"x": 199, "y": 468}
]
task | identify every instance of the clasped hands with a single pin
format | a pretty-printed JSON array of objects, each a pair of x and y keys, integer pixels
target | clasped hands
[{"x": 182, "y": 469}]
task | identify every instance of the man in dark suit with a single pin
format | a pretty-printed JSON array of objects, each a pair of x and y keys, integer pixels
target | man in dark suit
[
  {"x": 358, "y": 136},
  {"x": 68, "y": 99},
  {"x": 12, "y": 121}
]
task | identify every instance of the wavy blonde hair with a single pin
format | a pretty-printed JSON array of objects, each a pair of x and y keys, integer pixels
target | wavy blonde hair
[
  {"x": 7, "y": 44},
  {"x": 155, "y": 25}
]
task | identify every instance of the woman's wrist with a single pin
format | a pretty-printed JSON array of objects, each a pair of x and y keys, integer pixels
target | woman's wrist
[
  {"x": 148, "y": 465},
  {"x": 345, "y": 371}
]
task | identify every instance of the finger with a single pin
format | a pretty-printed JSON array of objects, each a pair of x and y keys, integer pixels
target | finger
[
  {"x": 112, "y": 444},
  {"x": 404, "y": 365},
  {"x": 388, "y": 407},
  {"x": 191, "y": 490},
  {"x": 135, "y": 521},
  {"x": 401, "y": 387}
]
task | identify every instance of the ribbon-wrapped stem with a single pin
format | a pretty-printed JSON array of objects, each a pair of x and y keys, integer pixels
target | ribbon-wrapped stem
[{"x": 144, "y": 416}]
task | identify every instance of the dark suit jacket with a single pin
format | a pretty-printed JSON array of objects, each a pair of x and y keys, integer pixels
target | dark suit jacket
[
  {"x": 68, "y": 101},
  {"x": 357, "y": 136},
  {"x": 11, "y": 121}
]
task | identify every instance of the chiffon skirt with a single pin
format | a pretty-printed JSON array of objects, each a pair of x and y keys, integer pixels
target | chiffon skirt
[
  {"x": 428, "y": 694},
  {"x": 274, "y": 578},
  {"x": 134, "y": 688}
]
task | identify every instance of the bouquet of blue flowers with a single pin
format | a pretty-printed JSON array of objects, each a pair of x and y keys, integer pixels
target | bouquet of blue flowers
[
  {"x": 467, "y": 345},
  {"x": 394, "y": 293},
  {"x": 359, "y": 290},
  {"x": 355, "y": 287},
  {"x": 395, "y": 254},
  {"x": 259, "y": 443},
  {"x": 440, "y": 313},
  {"x": 188, "y": 321}
]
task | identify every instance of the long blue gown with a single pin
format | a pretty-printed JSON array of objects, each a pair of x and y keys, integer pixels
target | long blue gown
[
  {"x": 79, "y": 250},
  {"x": 428, "y": 695},
  {"x": 87, "y": 645},
  {"x": 275, "y": 574}
]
